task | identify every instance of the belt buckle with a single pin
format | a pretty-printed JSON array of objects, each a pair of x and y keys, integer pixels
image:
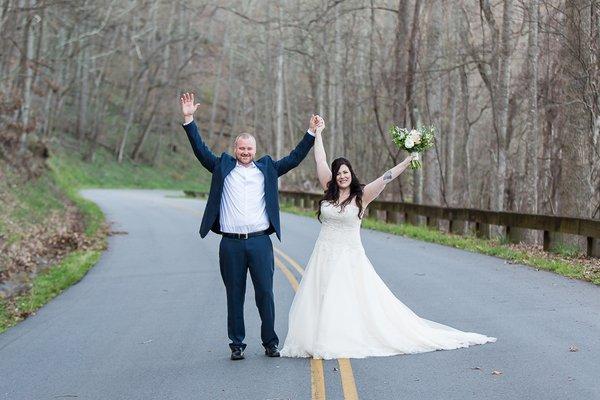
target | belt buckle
[{"x": 245, "y": 236}]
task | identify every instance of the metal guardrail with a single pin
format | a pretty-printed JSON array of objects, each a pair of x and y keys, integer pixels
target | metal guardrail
[{"x": 407, "y": 212}]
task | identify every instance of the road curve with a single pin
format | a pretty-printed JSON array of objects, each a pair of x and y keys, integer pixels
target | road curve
[{"x": 148, "y": 322}]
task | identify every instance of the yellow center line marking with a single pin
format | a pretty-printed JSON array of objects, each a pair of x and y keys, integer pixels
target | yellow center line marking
[
  {"x": 346, "y": 373},
  {"x": 317, "y": 379},
  {"x": 348, "y": 383},
  {"x": 317, "y": 376},
  {"x": 292, "y": 262},
  {"x": 288, "y": 274}
]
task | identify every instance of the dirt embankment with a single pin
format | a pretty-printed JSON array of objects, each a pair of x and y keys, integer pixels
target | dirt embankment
[{"x": 39, "y": 225}]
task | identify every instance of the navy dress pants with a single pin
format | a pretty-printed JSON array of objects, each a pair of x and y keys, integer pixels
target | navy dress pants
[{"x": 236, "y": 257}]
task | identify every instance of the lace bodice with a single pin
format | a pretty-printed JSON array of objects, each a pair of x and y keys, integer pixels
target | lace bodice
[
  {"x": 333, "y": 217},
  {"x": 340, "y": 230}
]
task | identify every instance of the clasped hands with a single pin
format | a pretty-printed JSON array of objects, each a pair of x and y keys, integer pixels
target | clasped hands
[{"x": 317, "y": 124}]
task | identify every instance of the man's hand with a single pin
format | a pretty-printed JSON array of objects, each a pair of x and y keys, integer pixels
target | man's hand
[
  {"x": 320, "y": 125},
  {"x": 316, "y": 124},
  {"x": 188, "y": 108},
  {"x": 312, "y": 126}
]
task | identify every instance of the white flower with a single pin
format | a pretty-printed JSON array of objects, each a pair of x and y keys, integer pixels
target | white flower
[
  {"x": 409, "y": 143},
  {"x": 415, "y": 135}
]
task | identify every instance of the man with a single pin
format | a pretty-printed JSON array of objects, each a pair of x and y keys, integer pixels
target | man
[{"x": 243, "y": 206}]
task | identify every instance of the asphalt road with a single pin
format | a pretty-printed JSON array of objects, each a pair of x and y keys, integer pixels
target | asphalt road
[{"x": 149, "y": 322}]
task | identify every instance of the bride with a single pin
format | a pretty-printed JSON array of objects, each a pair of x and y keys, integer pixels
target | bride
[{"x": 342, "y": 308}]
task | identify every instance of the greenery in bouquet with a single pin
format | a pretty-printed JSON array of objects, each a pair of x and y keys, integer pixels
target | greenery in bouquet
[{"x": 415, "y": 141}]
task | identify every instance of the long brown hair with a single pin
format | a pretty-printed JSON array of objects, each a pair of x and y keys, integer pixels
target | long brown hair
[{"x": 332, "y": 194}]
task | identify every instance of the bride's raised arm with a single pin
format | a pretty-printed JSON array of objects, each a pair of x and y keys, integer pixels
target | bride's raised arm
[
  {"x": 373, "y": 189},
  {"x": 323, "y": 171}
]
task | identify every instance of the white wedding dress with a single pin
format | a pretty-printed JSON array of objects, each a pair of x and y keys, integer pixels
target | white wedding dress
[{"x": 344, "y": 310}]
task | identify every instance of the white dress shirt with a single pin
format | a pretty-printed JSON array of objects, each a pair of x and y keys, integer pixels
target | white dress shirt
[{"x": 243, "y": 207}]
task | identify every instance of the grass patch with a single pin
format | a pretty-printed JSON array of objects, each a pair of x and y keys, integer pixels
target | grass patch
[
  {"x": 48, "y": 285},
  {"x": 94, "y": 217},
  {"x": 497, "y": 248},
  {"x": 25, "y": 204},
  {"x": 5, "y": 320},
  {"x": 182, "y": 172},
  {"x": 566, "y": 250}
]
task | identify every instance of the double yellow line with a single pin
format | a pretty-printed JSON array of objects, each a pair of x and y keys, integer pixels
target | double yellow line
[{"x": 317, "y": 374}]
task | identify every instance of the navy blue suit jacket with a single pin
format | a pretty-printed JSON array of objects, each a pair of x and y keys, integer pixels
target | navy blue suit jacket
[{"x": 221, "y": 166}]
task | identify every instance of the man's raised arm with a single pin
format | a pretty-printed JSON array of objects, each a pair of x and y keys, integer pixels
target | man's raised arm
[
  {"x": 292, "y": 160},
  {"x": 202, "y": 152}
]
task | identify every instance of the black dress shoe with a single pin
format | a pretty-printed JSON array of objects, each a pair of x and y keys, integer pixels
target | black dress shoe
[
  {"x": 237, "y": 354},
  {"x": 272, "y": 351}
]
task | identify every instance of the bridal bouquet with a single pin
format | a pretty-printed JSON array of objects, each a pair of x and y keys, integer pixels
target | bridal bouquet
[{"x": 414, "y": 141}]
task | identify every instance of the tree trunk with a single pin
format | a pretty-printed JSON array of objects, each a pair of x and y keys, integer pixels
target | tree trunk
[
  {"x": 532, "y": 117},
  {"x": 217, "y": 85},
  {"x": 27, "y": 68},
  {"x": 432, "y": 186},
  {"x": 400, "y": 49},
  {"x": 502, "y": 98},
  {"x": 279, "y": 130}
]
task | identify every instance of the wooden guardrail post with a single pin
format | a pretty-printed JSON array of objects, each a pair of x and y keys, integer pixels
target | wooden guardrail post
[
  {"x": 457, "y": 226},
  {"x": 482, "y": 230},
  {"x": 593, "y": 247},
  {"x": 432, "y": 222},
  {"x": 392, "y": 217},
  {"x": 546, "y": 241}
]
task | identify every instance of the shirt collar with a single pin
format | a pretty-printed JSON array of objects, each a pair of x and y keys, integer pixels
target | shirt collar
[{"x": 238, "y": 164}]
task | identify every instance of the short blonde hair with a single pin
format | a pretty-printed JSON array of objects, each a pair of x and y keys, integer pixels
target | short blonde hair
[{"x": 243, "y": 136}]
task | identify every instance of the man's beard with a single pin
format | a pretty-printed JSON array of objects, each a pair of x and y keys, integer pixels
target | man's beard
[{"x": 249, "y": 158}]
